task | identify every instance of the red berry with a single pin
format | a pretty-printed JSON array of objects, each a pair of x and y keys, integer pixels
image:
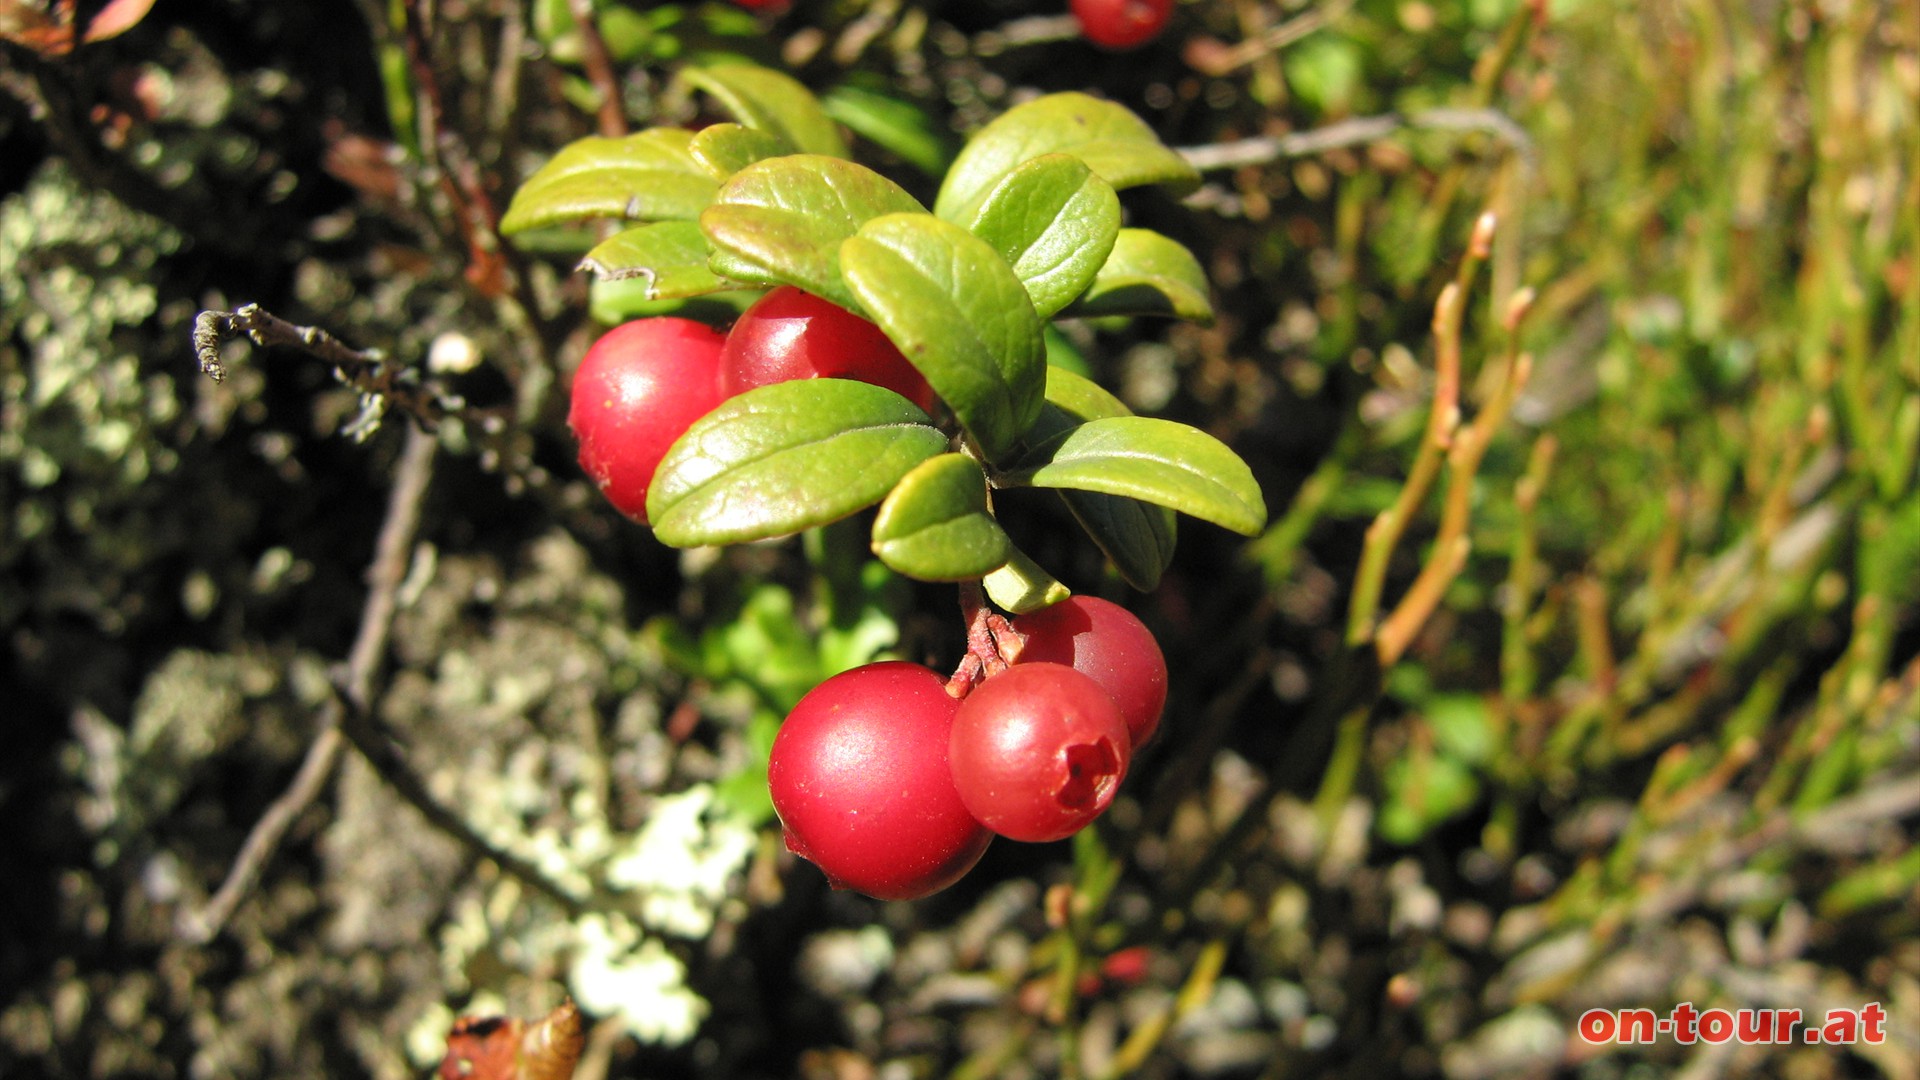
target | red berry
[
  {"x": 793, "y": 334},
  {"x": 859, "y": 777},
  {"x": 1105, "y": 642},
  {"x": 638, "y": 389},
  {"x": 1038, "y": 751},
  {"x": 1121, "y": 24}
]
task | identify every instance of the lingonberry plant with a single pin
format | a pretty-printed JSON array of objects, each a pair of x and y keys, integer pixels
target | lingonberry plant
[
  {"x": 1121, "y": 24},
  {"x": 637, "y": 390},
  {"x": 792, "y": 334},
  {"x": 898, "y": 361}
]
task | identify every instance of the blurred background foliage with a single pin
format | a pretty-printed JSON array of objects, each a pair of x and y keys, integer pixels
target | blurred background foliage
[{"x": 1657, "y": 739}]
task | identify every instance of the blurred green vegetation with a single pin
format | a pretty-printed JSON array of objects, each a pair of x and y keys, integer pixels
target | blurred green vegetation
[{"x": 1647, "y": 731}]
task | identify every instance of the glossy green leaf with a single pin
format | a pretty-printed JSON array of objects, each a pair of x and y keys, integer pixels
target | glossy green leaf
[
  {"x": 1156, "y": 461},
  {"x": 670, "y": 255},
  {"x": 781, "y": 221},
  {"x": 956, "y": 311},
  {"x": 892, "y": 124},
  {"x": 1138, "y": 537},
  {"x": 1022, "y": 585},
  {"x": 1054, "y": 222},
  {"x": 725, "y": 149},
  {"x": 1147, "y": 274},
  {"x": 935, "y": 525},
  {"x": 771, "y": 101},
  {"x": 1079, "y": 399},
  {"x": 1117, "y": 145},
  {"x": 786, "y": 457},
  {"x": 649, "y": 176}
]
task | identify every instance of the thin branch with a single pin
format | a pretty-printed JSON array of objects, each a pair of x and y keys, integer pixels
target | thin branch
[
  {"x": 378, "y": 746},
  {"x": 384, "y": 575},
  {"x": 204, "y": 924},
  {"x": 1358, "y": 131},
  {"x": 612, "y": 118},
  {"x": 264, "y": 328},
  {"x": 381, "y": 383},
  {"x": 1210, "y": 57}
]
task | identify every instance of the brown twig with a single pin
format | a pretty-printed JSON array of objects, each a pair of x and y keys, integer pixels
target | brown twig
[
  {"x": 213, "y": 328},
  {"x": 384, "y": 575},
  {"x": 381, "y": 383},
  {"x": 612, "y": 118}
]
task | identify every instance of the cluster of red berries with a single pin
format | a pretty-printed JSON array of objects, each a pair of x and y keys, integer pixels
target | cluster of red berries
[
  {"x": 894, "y": 788},
  {"x": 881, "y": 777},
  {"x": 645, "y": 382}
]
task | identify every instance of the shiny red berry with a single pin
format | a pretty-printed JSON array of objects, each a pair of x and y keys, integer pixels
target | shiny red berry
[
  {"x": 1038, "y": 751},
  {"x": 638, "y": 389},
  {"x": 1107, "y": 643},
  {"x": 1121, "y": 24},
  {"x": 859, "y": 777},
  {"x": 793, "y": 334}
]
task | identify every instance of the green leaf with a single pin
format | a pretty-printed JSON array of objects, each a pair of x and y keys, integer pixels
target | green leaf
[
  {"x": 1079, "y": 399},
  {"x": 1138, "y": 537},
  {"x": 725, "y": 149},
  {"x": 1054, "y": 222},
  {"x": 670, "y": 255},
  {"x": 1117, "y": 145},
  {"x": 786, "y": 457},
  {"x": 1147, "y": 274},
  {"x": 781, "y": 221},
  {"x": 935, "y": 525},
  {"x": 1022, "y": 585},
  {"x": 954, "y": 308},
  {"x": 649, "y": 176},
  {"x": 770, "y": 101},
  {"x": 891, "y": 123},
  {"x": 1156, "y": 461}
]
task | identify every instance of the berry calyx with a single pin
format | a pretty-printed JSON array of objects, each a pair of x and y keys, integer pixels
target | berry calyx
[
  {"x": 860, "y": 779},
  {"x": 637, "y": 390},
  {"x": 1121, "y": 24},
  {"x": 1107, "y": 643},
  {"x": 1038, "y": 751},
  {"x": 792, "y": 334}
]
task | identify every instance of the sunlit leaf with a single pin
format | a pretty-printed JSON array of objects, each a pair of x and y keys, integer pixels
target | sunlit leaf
[
  {"x": 725, "y": 149},
  {"x": 955, "y": 310},
  {"x": 670, "y": 255},
  {"x": 1137, "y": 536},
  {"x": 1147, "y": 274},
  {"x": 649, "y": 176},
  {"x": 781, "y": 221},
  {"x": 1117, "y": 145},
  {"x": 771, "y": 101},
  {"x": 787, "y": 457},
  {"x": 934, "y": 525},
  {"x": 1054, "y": 222},
  {"x": 1156, "y": 461}
]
